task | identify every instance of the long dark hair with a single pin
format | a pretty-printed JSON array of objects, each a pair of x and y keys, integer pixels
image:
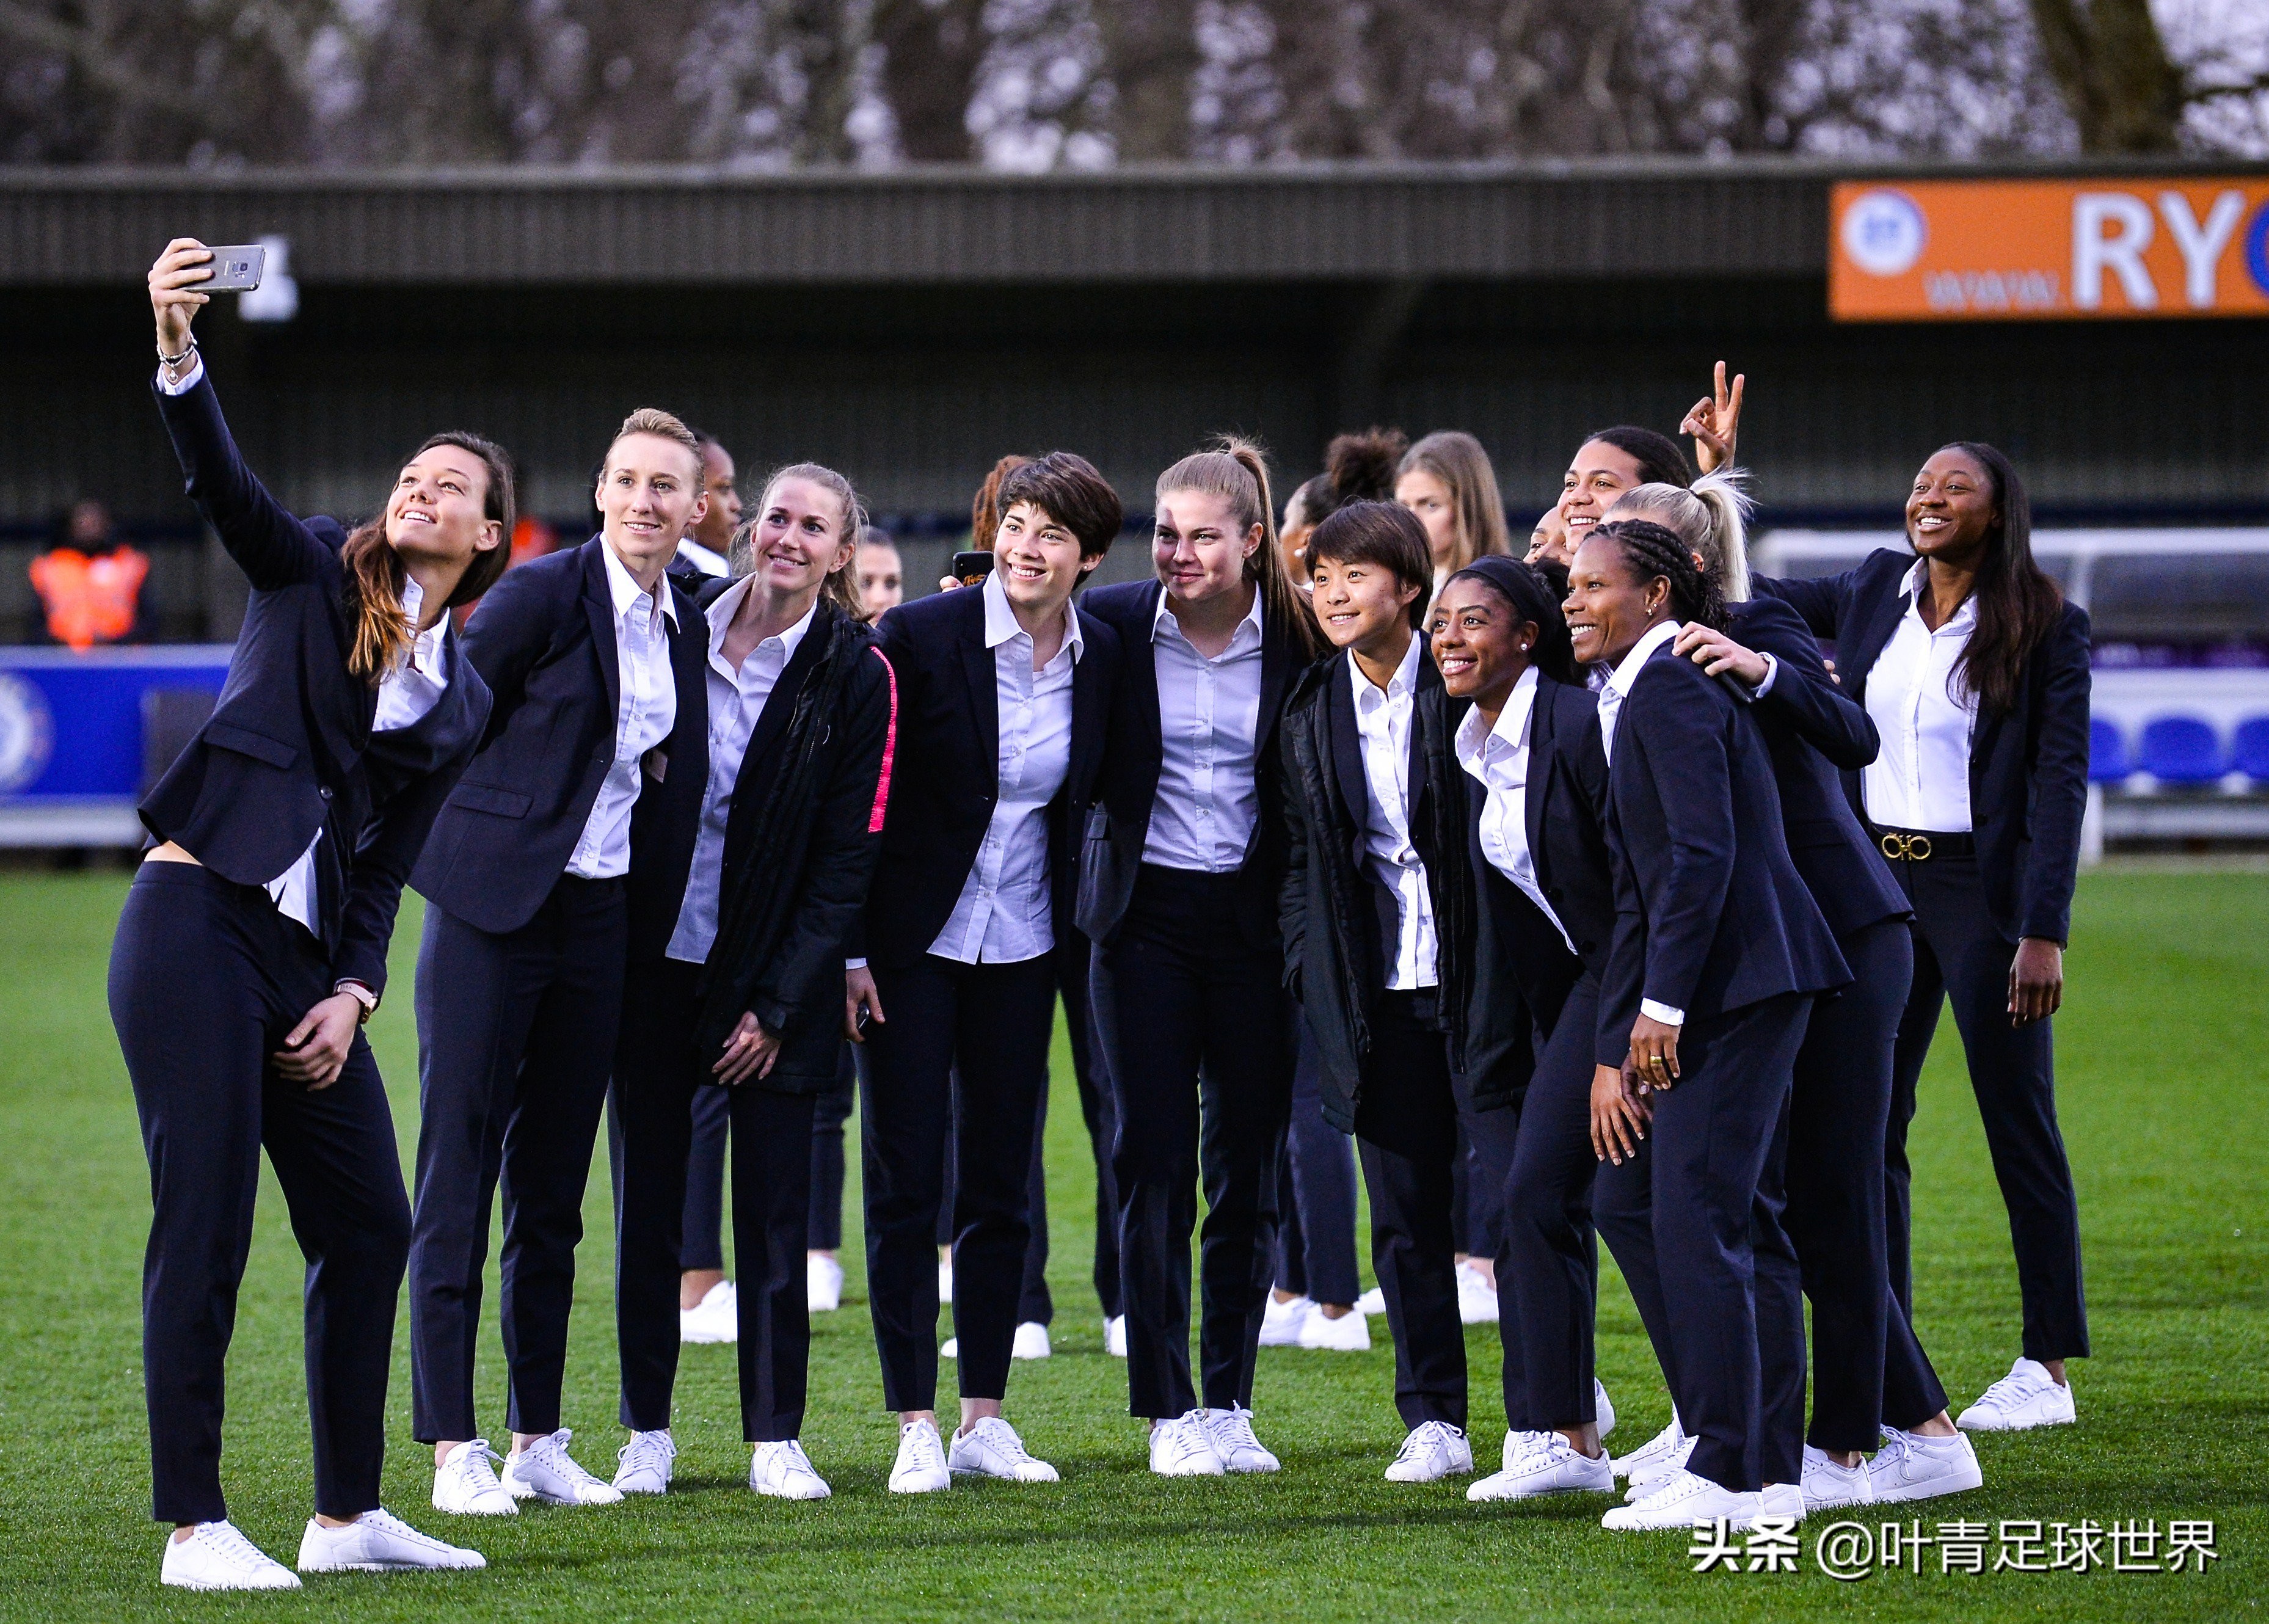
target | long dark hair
[
  {"x": 376, "y": 572},
  {"x": 2017, "y": 601},
  {"x": 1660, "y": 459},
  {"x": 1650, "y": 550},
  {"x": 1530, "y": 596}
]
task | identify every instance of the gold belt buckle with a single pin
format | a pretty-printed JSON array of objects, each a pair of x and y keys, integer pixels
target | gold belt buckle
[{"x": 1914, "y": 848}]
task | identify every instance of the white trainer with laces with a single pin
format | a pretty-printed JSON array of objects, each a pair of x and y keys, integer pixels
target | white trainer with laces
[
  {"x": 643, "y": 1465},
  {"x": 1910, "y": 1466},
  {"x": 921, "y": 1467},
  {"x": 1519, "y": 1445},
  {"x": 1553, "y": 1467},
  {"x": 2027, "y": 1397},
  {"x": 1114, "y": 1336},
  {"x": 991, "y": 1448},
  {"x": 1181, "y": 1446},
  {"x": 378, "y": 1541},
  {"x": 1231, "y": 1431},
  {"x": 1653, "y": 1457},
  {"x": 1434, "y": 1451},
  {"x": 1681, "y": 1501},
  {"x": 545, "y": 1471},
  {"x": 823, "y": 1283},
  {"x": 715, "y": 1319},
  {"x": 1371, "y": 1302},
  {"x": 1782, "y": 1499},
  {"x": 465, "y": 1482},
  {"x": 786, "y": 1473},
  {"x": 1031, "y": 1342},
  {"x": 1668, "y": 1468},
  {"x": 1477, "y": 1304},
  {"x": 1281, "y": 1322},
  {"x": 1828, "y": 1486},
  {"x": 1349, "y": 1333},
  {"x": 1603, "y": 1409},
  {"x": 217, "y": 1556}
]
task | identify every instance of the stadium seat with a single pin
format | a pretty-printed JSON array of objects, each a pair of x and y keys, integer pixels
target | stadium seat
[
  {"x": 2107, "y": 752},
  {"x": 2250, "y": 751},
  {"x": 2180, "y": 749}
]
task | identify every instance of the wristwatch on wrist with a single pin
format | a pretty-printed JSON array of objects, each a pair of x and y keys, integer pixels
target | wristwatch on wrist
[{"x": 361, "y": 995}]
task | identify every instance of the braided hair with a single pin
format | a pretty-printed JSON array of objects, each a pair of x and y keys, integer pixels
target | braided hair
[
  {"x": 1650, "y": 550},
  {"x": 1529, "y": 596}
]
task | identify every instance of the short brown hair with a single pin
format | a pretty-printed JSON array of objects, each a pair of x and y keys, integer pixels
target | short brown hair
[
  {"x": 1386, "y": 534},
  {"x": 654, "y": 421},
  {"x": 1066, "y": 488}
]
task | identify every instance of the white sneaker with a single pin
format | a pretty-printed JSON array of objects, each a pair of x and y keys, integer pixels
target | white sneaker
[
  {"x": 1281, "y": 1322},
  {"x": 1781, "y": 1499},
  {"x": 1231, "y": 1431},
  {"x": 945, "y": 1279},
  {"x": 786, "y": 1473},
  {"x": 1032, "y": 1341},
  {"x": 1683, "y": 1500},
  {"x": 466, "y": 1483},
  {"x": 1349, "y": 1333},
  {"x": 1650, "y": 1457},
  {"x": 920, "y": 1466},
  {"x": 1519, "y": 1445},
  {"x": 1603, "y": 1409},
  {"x": 1668, "y": 1468},
  {"x": 643, "y": 1465},
  {"x": 1828, "y": 1486},
  {"x": 378, "y": 1542},
  {"x": 952, "y": 1348},
  {"x": 218, "y": 1557},
  {"x": 823, "y": 1283},
  {"x": 1114, "y": 1336},
  {"x": 1909, "y": 1468},
  {"x": 1555, "y": 1468},
  {"x": 1371, "y": 1302},
  {"x": 545, "y": 1471},
  {"x": 715, "y": 1319},
  {"x": 991, "y": 1448},
  {"x": 1434, "y": 1451},
  {"x": 1476, "y": 1297},
  {"x": 2029, "y": 1396},
  {"x": 1181, "y": 1446}
]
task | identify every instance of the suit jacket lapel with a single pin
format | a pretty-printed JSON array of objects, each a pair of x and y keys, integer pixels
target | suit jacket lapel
[
  {"x": 1543, "y": 762},
  {"x": 1875, "y": 629},
  {"x": 599, "y": 604},
  {"x": 1087, "y": 723},
  {"x": 979, "y": 668},
  {"x": 1346, "y": 747},
  {"x": 1276, "y": 671}
]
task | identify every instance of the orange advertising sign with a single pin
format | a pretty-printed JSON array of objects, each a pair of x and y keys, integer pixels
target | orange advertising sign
[{"x": 1998, "y": 250}]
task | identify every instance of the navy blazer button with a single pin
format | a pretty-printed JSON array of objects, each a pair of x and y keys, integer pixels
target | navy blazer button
[{"x": 597, "y": 756}]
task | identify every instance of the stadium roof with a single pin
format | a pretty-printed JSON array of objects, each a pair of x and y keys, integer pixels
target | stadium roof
[{"x": 521, "y": 226}]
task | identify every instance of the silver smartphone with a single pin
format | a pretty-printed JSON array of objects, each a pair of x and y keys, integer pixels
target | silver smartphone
[{"x": 235, "y": 269}]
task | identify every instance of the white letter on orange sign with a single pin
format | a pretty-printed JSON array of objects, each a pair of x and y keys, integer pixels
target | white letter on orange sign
[
  {"x": 2092, "y": 251},
  {"x": 2201, "y": 244}
]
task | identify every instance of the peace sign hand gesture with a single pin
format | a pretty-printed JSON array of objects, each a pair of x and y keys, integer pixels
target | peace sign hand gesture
[{"x": 1715, "y": 422}]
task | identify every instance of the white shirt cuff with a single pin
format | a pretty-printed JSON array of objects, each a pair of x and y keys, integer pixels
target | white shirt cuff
[
  {"x": 188, "y": 379},
  {"x": 1772, "y": 670},
  {"x": 1663, "y": 1013},
  {"x": 855, "y": 964}
]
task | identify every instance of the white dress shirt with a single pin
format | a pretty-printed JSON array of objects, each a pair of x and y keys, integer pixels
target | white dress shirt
[
  {"x": 1208, "y": 723},
  {"x": 1612, "y": 695},
  {"x": 736, "y": 699},
  {"x": 646, "y": 709},
  {"x": 1498, "y": 758},
  {"x": 1383, "y": 721},
  {"x": 1004, "y": 913},
  {"x": 1920, "y": 777}
]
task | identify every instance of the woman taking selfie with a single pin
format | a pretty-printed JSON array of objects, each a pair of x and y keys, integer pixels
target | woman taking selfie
[
  {"x": 1719, "y": 953},
  {"x": 748, "y": 864},
  {"x": 253, "y": 946},
  {"x": 1005, "y": 690},
  {"x": 1975, "y": 673},
  {"x": 1177, "y": 889}
]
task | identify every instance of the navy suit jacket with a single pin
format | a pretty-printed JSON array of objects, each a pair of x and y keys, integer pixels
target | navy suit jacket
[
  {"x": 2028, "y": 765},
  {"x": 1711, "y": 914},
  {"x": 1117, "y": 828},
  {"x": 544, "y": 638},
  {"x": 287, "y": 749},
  {"x": 946, "y": 776},
  {"x": 1812, "y": 729}
]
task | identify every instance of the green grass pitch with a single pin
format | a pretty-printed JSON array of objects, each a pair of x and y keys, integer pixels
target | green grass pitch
[{"x": 2162, "y": 1068}]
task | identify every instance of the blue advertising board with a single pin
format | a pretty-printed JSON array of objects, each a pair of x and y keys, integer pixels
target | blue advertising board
[{"x": 71, "y": 734}]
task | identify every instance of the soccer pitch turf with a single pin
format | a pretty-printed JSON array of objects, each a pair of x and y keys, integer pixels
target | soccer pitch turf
[{"x": 2161, "y": 1083}]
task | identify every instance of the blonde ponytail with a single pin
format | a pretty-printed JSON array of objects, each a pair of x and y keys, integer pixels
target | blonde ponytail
[{"x": 1711, "y": 517}]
